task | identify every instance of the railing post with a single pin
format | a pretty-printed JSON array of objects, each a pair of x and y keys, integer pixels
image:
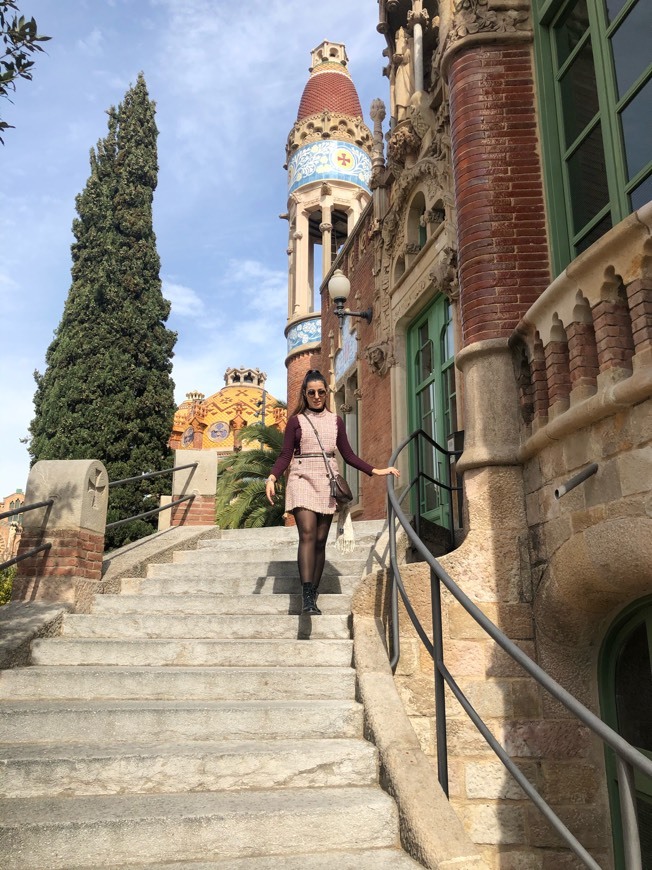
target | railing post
[
  {"x": 417, "y": 516},
  {"x": 440, "y": 696},
  {"x": 629, "y": 818},
  {"x": 70, "y": 569},
  {"x": 200, "y": 482}
]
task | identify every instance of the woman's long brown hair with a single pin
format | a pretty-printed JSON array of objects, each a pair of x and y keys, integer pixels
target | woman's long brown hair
[{"x": 312, "y": 375}]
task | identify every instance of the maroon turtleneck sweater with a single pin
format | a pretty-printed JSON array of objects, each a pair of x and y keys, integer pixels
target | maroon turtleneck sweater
[{"x": 292, "y": 447}]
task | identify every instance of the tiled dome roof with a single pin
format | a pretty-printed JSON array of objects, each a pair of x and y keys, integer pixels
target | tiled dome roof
[{"x": 330, "y": 90}]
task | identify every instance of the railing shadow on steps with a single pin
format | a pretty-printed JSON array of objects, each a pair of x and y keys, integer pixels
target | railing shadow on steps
[{"x": 628, "y": 759}]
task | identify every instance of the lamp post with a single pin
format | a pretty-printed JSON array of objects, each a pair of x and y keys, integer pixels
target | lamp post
[{"x": 339, "y": 288}]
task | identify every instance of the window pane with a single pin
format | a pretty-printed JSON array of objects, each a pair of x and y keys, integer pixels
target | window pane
[
  {"x": 579, "y": 94},
  {"x": 597, "y": 232},
  {"x": 631, "y": 46},
  {"x": 637, "y": 127},
  {"x": 588, "y": 179},
  {"x": 633, "y": 679},
  {"x": 614, "y": 7},
  {"x": 425, "y": 361},
  {"x": 641, "y": 194},
  {"x": 570, "y": 31},
  {"x": 447, "y": 339}
]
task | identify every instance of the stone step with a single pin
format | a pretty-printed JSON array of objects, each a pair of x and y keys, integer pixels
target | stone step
[
  {"x": 263, "y": 556},
  {"x": 217, "y": 604},
  {"x": 170, "y": 580},
  {"x": 229, "y": 569},
  {"x": 92, "y": 769},
  {"x": 161, "y": 721},
  {"x": 192, "y": 684},
  {"x": 216, "y": 627},
  {"x": 55, "y": 834},
  {"x": 192, "y": 653},
  {"x": 289, "y": 533},
  {"x": 354, "y": 859}
]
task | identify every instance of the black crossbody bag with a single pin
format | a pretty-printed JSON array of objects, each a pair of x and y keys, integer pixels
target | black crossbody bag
[{"x": 340, "y": 490}]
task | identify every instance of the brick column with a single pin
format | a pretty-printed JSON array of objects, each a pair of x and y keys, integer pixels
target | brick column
[
  {"x": 582, "y": 357},
  {"x": 639, "y": 296},
  {"x": 558, "y": 372},
  {"x": 503, "y": 251},
  {"x": 613, "y": 335},
  {"x": 200, "y": 482},
  {"x": 71, "y": 569}
]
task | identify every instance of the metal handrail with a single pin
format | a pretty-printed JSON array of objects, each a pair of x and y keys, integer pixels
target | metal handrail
[
  {"x": 24, "y": 508},
  {"x": 158, "y": 510},
  {"x": 628, "y": 758},
  {"x": 26, "y": 555},
  {"x": 147, "y": 475}
]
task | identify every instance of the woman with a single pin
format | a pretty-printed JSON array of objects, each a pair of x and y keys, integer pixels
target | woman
[{"x": 307, "y": 493}]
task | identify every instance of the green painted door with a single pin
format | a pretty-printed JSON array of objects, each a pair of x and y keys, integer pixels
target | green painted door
[
  {"x": 626, "y": 696},
  {"x": 432, "y": 403}
]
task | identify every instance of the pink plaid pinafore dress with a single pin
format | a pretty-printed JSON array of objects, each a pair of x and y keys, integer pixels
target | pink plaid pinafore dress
[{"x": 308, "y": 485}]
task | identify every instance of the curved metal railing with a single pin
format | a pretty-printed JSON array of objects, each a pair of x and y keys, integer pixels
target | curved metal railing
[{"x": 628, "y": 759}]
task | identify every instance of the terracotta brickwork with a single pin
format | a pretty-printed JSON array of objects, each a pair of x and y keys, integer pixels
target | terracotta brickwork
[
  {"x": 374, "y": 388},
  {"x": 639, "y": 294},
  {"x": 503, "y": 252},
  {"x": 582, "y": 355},
  {"x": 198, "y": 512},
  {"x": 613, "y": 334},
  {"x": 557, "y": 371}
]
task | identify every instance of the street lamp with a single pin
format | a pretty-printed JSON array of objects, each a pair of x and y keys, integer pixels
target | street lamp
[{"x": 339, "y": 288}]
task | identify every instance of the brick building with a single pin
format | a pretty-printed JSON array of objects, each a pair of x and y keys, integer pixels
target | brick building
[
  {"x": 505, "y": 253},
  {"x": 11, "y": 527}
]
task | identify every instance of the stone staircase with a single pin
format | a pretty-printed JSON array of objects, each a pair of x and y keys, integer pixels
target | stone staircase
[{"x": 197, "y": 720}]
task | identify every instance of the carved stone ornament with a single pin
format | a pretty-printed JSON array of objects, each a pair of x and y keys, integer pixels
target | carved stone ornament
[
  {"x": 411, "y": 248},
  {"x": 433, "y": 216},
  {"x": 476, "y": 16},
  {"x": 403, "y": 143},
  {"x": 346, "y": 408},
  {"x": 380, "y": 357},
  {"x": 444, "y": 274}
]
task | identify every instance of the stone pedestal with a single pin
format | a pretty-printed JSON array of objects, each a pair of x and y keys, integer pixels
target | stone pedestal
[
  {"x": 199, "y": 482},
  {"x": 71, "y": 569}
]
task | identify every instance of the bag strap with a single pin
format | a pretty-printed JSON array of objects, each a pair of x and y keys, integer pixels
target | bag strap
[{"x": 329, "y": 470}]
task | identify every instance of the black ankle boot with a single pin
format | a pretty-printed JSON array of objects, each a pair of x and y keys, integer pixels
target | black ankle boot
[{"x": 309, "y": 605}]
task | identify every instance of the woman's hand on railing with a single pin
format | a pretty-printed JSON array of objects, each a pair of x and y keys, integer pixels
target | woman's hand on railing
[{"x": 384, "y": 472}]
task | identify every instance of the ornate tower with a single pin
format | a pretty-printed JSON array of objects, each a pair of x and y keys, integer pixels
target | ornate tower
[{"x": 329, "y": 167}]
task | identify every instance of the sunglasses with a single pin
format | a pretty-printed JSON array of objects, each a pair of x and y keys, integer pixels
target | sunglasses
[{"x": 313, "y": 393}]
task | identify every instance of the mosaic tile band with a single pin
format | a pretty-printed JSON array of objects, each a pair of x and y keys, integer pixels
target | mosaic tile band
[
  {"x": 305, "y": 332},
  {"x": 329, "y": 161}
]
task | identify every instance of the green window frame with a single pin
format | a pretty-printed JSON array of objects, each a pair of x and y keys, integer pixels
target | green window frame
[
  {"x": 594, "y": 79},
  {"x": 625, "y": 686},
  {"x": 433, "y": 400}
]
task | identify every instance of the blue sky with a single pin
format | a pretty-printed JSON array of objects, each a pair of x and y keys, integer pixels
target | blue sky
[{"x": 227, "y": 78}]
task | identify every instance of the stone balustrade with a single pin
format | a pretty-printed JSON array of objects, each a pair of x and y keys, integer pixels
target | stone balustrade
[{"x": 585, "y": 346}]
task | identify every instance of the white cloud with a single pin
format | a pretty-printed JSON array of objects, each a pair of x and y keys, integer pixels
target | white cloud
[
  {"x": 262, "y": 288},
  {"x": 185, "y": 302},
  {"x": 92, "y": 45}
]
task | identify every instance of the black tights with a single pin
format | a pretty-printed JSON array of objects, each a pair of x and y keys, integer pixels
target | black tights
[{"x": 313, "y": 534}]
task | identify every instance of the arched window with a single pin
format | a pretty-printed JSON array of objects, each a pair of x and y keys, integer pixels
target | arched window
[
  {"x": 626, "y": 701},
  {"x": 416, "y": 227}
]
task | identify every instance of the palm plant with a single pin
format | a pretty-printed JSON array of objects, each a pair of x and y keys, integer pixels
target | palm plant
[{"x": 241, "y": 501}]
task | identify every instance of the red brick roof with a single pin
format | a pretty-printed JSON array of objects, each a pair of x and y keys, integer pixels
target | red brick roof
[{"x": 329, "y": 90}]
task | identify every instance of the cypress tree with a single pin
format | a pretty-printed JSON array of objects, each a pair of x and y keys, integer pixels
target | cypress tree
[{"x": 106, "y": 392}]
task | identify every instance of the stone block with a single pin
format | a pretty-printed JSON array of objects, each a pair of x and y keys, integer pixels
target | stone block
[
  {"x": 80, "y": 489},
  {"x": 557, "y": 532},
  {"x": 558, "y": 860},
  {"x": 495, "y": 498},
  {"x": 464, "y": 739},
  {"x": 588, "y": 824},
  {"x": 465, "y": 658},
  {"x": 634, "y": 469},
  {"x": 584, "y": 519},
  {"x": 417, "y": 694},
  {"x": 490, "y": 780},
  {"x": 408, "y": 663},
  {"x": 547, "y": 739},
  {"x": 198, "y": 481},
  {"x": 501, "y": 664},
  {"x": 492, "y": 699},
  {"x": 493, "y": 823},
  {"x": 526, "y": 702},
  {"x": 533, "y": 508},
  {"x": 577, "y": 452},
  {"x": 424, "y": 729},
  {"x": 605, "y": 486},
  {"x": 570, "y": 783},
  {"x": 532, "y": 475},
  {"x": 521, "y": 860}
]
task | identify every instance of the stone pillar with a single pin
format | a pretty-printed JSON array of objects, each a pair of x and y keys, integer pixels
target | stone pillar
[
  {"x": 200, "y": 482},
  {"x": 326, "y": 228},
  {"x": 302, "y": 300},
  {"x": 71, "y": 569}
]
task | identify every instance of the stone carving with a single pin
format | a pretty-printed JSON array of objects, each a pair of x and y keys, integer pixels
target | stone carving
[
  {"x": 444, "y": 274},
  {"x": 346, "y": 408},
  {"x": 476, "y": 16},
  {"x": 401, "y": 76},
  {"x": 404, "y": 143},
  {"x": 380, "y": 357},
  {"x": 411, "y": 248},
  {"x": 433, "y": 216},
  {"x": 95, "y": 487},
  {"x": 377, "y": 113}
]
